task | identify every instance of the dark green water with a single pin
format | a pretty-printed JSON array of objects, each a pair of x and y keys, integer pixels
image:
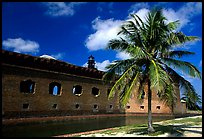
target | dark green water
[{"x": 73, "y": 126}]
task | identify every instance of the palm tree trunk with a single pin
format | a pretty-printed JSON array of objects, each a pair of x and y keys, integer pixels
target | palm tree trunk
[{"x": 150, "y": 128}]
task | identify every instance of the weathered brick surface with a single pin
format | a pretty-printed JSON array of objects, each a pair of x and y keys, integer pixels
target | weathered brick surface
[
  {"x": 135, "y": 104},
  {"x": 41, "y": 102}
]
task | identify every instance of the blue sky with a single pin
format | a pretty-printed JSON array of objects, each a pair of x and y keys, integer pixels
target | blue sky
[{"x": 72, "y": 31}]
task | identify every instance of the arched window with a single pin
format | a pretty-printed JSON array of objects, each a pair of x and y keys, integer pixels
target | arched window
[
  {"x": 54, "y": 88},
  {"x": 158, "y": 107},
  {"x": 95, "y": 107},
  {"x": 27, "y": 86},
  {"x": 128, "y": 107},
  {"x": 95, "y": 91},
  {"x": 77, "y": 90}
]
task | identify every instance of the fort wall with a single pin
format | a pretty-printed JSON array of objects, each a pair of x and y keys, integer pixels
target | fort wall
[
  {"x": 42, "y": 103},
  {"x": 33, "y": 86}
]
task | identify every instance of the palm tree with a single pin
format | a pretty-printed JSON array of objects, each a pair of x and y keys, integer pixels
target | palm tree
[
  {"x": 150, "y": 44},
  {"x": 192, "y": 100}
]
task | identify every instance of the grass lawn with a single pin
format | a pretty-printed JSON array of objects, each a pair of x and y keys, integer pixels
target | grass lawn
[{"x": 172, "y": 127}]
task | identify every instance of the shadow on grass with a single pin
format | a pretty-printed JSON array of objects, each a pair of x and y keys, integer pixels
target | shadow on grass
[{"x": 172, "y": 130}]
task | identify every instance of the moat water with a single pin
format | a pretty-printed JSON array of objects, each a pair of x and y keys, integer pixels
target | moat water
[{"x": 73, "y": 126}]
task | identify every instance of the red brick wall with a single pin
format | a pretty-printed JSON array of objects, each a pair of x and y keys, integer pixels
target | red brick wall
[
  {"x": 158, "y": 106},
  {"x": 40, "y": 102}
]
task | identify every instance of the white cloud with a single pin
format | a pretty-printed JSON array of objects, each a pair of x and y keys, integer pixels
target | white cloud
[
  {"x": 141, "y": 13},
  {"x": 55, "y": 56},
  {"x": 184, "y": 14},
  {"x": 47, "y": 56},
  {"x": 58, "y": 55},
  {"x": 62, "y": 8},
  {"x": 100, "y": 65},
  {"x": 122, "y": 55},
  {"x": 105, "y": 31},
  {"x": 20, "y": 45}
]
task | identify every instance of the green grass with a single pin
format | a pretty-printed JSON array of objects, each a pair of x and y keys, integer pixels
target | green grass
[
  {"x": 166, "y": 127},
  {"x": 190, "y": 121}
]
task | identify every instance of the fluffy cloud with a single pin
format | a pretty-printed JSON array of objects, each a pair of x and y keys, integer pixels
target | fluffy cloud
[
  {"x": 62, "y": 8},
  {"x": 55, "y": 56},
  {"x": 105, "y": 31},
  {"x": 184, "y": 14},
  {"x": 122, "y": 55},
  {"x": 100, "y": 65},
  {"x": 20, "y": 45},
  {"x": 58, "y": 55}
]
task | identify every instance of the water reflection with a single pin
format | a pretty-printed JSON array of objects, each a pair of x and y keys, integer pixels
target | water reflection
[{"x": 73, "y": 126}]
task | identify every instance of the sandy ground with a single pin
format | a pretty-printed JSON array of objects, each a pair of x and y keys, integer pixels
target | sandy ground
[{"x": 191, "y": 131}]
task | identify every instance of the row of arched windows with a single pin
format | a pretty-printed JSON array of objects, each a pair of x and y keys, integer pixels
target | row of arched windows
[{"x": 28, "y": 86}]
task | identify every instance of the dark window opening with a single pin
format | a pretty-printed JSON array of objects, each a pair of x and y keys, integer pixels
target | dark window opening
[
  {"x": 95, "y": 91},
  {"x": 95, "y": 106},
  {"x": 77, "y": 106},
  {"x": 25, "y": 106},
  {"x": 77, "y": 90},
  {"x": 141, "y": 107},
  {"x": 54, "y": 88},
  {"x": 128, "y": 107},
  {"x": 158, "y": 107},
  {"x": 27, "y": 86},
  {"x": 111, "y": 106},
  {"x": 54, "y": 106},
  {"x": 143, "y": 95}
]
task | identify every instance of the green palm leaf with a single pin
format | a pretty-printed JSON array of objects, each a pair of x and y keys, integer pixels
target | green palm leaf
[{"x": 186, "y": 67}]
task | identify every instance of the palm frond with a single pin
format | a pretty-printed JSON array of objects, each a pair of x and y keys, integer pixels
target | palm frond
[
  {"x": 169, "y": 95},
  {"x": 158, "y": 77},
  {"x": 177, "y": 38},
  {"x": 189, "y": 91},
  {"x": 186, "y": 67},
  {"x": 179, "y": 54},
  {"x": 117, "y": 44},
  {"x": 127, "y": 92},
  {"x": 121, "y": 81},
  {"x": 173, "y": 25}
]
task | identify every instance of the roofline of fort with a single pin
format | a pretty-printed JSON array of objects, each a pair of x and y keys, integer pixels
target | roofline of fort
[{"x": 25, "y": 60}]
